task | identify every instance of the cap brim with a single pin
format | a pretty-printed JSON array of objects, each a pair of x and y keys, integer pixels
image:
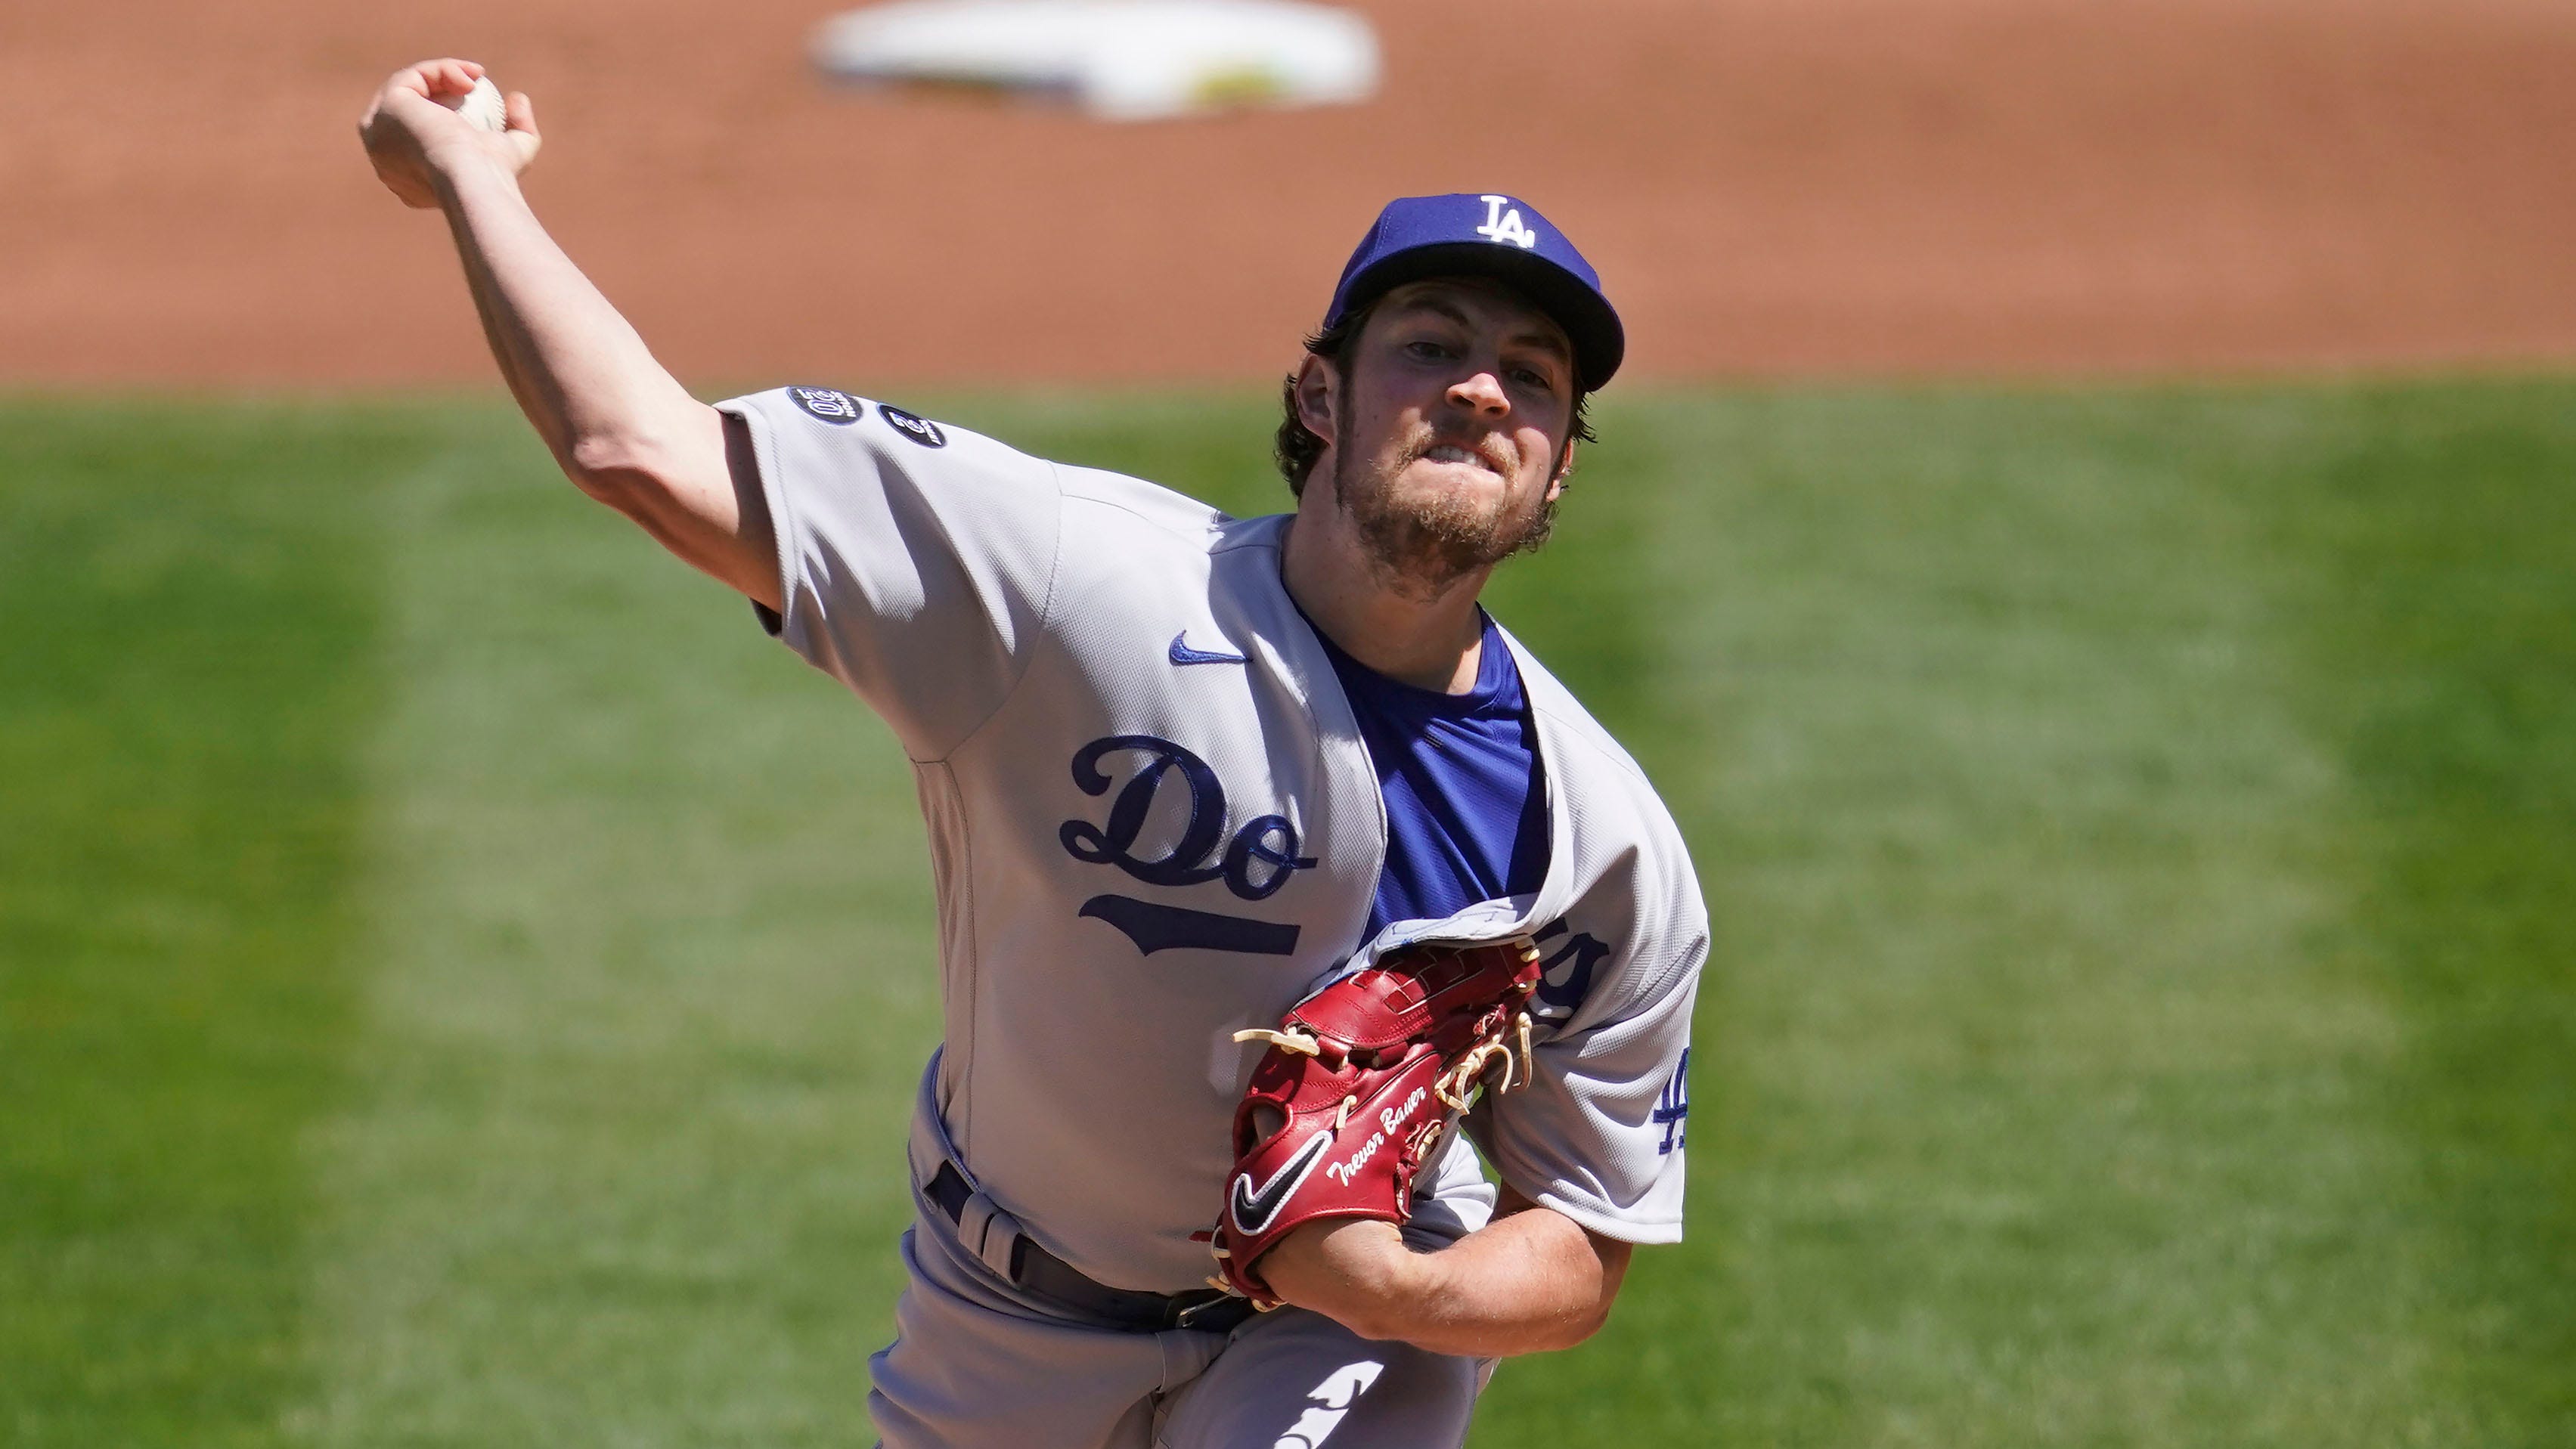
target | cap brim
[{"x": 1599, "y": 341}]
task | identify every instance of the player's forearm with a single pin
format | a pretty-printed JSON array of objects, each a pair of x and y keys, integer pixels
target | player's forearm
[
  {"x": 1528, "y": 1282},
  {"x": 582, "y": 375}
]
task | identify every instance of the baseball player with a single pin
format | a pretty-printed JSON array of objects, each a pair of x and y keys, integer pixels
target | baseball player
[{"x": 1186, "y": 776}]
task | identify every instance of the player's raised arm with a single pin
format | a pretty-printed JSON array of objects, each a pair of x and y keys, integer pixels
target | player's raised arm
[{"x": 622, "y": 428}]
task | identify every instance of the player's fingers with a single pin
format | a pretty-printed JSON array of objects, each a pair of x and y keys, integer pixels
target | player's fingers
[
  {"x": 398, "y": 109},
  {"x": 386, "y": 108},
  {"x": 442, "y": 77},
  {"x": 412, "y": 80},
  {"x": 521, "y": 114}
]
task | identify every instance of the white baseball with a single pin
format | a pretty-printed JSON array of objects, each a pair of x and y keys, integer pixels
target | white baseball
[{"x": 481, "y": 105}]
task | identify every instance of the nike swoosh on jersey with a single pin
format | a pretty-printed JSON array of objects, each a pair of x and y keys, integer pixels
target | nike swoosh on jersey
[
  {"x": 1254, "y": 1207},
  {"x": 1182, "y": 653}
]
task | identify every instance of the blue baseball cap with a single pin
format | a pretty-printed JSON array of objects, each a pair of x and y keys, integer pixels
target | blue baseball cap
[{"x": 1486, "y": 235}]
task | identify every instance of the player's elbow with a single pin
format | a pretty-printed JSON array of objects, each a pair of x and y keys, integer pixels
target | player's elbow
[
  {"x": 642, "y": 476},
  {"x": 665, "y": 469},
  {"x": 621, "y": 469},
  {"x": 1600, "y": 1271},
  {"x": 1557, "y": 1332},
  {"x": 1507, "y": 1332},
  {"x": 1582, "y": 1324}
]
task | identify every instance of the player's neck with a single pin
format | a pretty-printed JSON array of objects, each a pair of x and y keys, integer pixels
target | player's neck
[{"x": 1431, "y": 638}]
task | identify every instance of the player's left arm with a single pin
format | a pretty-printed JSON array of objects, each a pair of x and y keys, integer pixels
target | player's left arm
[
  {"x": 1585, "y": 1130},
  {"x": 1530, "y": 1281}
]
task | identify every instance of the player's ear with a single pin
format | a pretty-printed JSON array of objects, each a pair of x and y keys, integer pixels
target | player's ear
[
  {"x": 1564, "y": 476},
  {"x": 1315, "y": 392}
]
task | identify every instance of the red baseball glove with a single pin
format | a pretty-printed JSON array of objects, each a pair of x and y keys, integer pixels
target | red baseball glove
[{"x": 1360, "y": 1082}]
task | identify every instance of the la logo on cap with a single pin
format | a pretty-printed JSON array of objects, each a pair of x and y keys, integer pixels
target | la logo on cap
[{"x": 1503, "y": 223}]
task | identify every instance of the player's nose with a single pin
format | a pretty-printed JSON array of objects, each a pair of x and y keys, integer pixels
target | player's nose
[{"x": 1481, "y": 391}]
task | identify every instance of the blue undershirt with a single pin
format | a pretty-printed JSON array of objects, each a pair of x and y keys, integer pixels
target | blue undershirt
[{"x": 1466, "y": 814}]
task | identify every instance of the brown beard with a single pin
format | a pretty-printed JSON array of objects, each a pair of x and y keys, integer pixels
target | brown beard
[{"x": 1423, "y": 548}]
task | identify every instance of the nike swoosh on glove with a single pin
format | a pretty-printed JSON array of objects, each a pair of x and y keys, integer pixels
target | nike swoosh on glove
[{"x": 1361, "y": 1081}]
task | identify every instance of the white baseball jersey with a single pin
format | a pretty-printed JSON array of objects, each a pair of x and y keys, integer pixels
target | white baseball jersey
[{"x": 1153, "y": 822}]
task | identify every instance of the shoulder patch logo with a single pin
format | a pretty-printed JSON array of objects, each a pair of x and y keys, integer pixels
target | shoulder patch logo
[
  {"x": 1503, "y": 224},
  {"x": 829, "y": 404},
  {"x": 912, "y": 425}
]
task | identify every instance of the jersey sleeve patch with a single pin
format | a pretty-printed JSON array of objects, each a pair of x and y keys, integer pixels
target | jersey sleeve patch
[
  {"x": 827, "y": 404},
  {"x": 916, "y": 571}
]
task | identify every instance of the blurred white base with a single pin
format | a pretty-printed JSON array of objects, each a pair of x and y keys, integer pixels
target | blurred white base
[{"x": 1123, "y": 60}]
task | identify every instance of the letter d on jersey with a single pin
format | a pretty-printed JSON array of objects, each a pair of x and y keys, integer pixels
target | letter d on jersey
[{"x": 1254, "y": 864}]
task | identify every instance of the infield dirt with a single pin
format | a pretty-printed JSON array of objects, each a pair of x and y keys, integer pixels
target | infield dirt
[{"x": 1771, "y": 188}]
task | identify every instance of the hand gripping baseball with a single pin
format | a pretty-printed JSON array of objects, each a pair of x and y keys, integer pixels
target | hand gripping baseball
[
  {"x": 1361, "y": 1081},
  {"x": 412, "y": 139}
]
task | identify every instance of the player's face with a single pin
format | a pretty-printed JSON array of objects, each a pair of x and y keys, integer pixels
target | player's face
[{"x": 1450, "y": 429}]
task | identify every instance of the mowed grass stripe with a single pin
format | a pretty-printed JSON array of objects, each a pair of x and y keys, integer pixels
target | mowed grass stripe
[
  {"x": 652, "y": 980},
  {"x": 187, "y": 674},
  {"x": 2441, "y": 535}
]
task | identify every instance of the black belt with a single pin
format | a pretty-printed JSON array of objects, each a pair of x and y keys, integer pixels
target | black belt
[{"x": 1042, "y": 1273}]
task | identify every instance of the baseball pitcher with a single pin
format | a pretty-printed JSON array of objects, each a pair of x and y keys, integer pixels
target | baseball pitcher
[{"x": 1275, "y": 878}]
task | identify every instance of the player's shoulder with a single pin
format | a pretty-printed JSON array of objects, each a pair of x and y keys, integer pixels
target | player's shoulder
[
  {"x": 1097, "y": 499},
  {"x": 1118, "y": 528},
  {"x": 823, "y": 442},
  {"x": 1594, "y": 754},
  {"x": 1112, "y": 511},
  {"x": 1624, "y": 836},
  {"x": 849, "y": 418},
  {"x": 1105, "y": 535}
]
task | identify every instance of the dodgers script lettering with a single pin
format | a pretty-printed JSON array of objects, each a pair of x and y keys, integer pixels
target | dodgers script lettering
[{"x": 1254, "y": 860}]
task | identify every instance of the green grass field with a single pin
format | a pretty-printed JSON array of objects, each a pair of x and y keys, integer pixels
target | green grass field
[{"x": 460, "y": 983}]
